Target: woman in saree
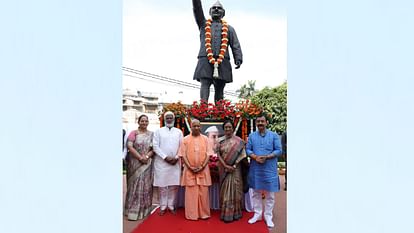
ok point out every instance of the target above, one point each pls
(231, 154)
(138, 199)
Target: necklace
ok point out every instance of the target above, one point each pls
(223, 48)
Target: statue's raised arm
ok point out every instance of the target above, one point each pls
(198, 13)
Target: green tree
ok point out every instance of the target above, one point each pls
(247, 91)
(273, 101)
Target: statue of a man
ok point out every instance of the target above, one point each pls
(213, 65)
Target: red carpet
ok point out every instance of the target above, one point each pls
(170, 223)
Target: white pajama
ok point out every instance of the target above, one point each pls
(257, 203)
(168, 197)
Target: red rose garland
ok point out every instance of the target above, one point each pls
(223, 49)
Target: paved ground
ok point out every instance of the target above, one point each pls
(279, 212)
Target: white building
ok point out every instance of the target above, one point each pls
(135, 103)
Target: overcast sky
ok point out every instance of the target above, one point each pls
(161, 37)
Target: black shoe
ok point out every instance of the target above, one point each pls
(161, 213)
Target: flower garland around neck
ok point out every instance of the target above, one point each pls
(223, 47)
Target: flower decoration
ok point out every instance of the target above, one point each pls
(214, 170)
(213, 161)
(241, 114)
(207, 111)
(178, 109)
(247, 109)
(223, 48)
(204, 111)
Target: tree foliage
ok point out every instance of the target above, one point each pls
(274, 101)
(247, 91)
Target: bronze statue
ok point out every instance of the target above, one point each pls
(213, 65)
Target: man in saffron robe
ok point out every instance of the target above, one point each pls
(195, 152)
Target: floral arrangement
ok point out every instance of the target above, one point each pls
(247, 109)
(241, 113)
(221, 110)
(212, 163)
(178, 109)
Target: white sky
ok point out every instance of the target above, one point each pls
(161, 37)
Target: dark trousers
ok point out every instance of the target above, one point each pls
(218, 88)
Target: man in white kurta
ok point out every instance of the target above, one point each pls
(167, 168)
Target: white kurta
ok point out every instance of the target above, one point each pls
(166, 143)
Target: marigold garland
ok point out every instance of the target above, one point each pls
(236, 120)
(183, 126)
(223, 46)
(244, 129)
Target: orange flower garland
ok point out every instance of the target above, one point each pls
(182, 123)
(244, 129)
(223, 49)
(236, 120)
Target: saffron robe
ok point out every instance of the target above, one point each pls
(196, 150)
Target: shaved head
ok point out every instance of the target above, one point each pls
(195, 121)
(195, 127)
